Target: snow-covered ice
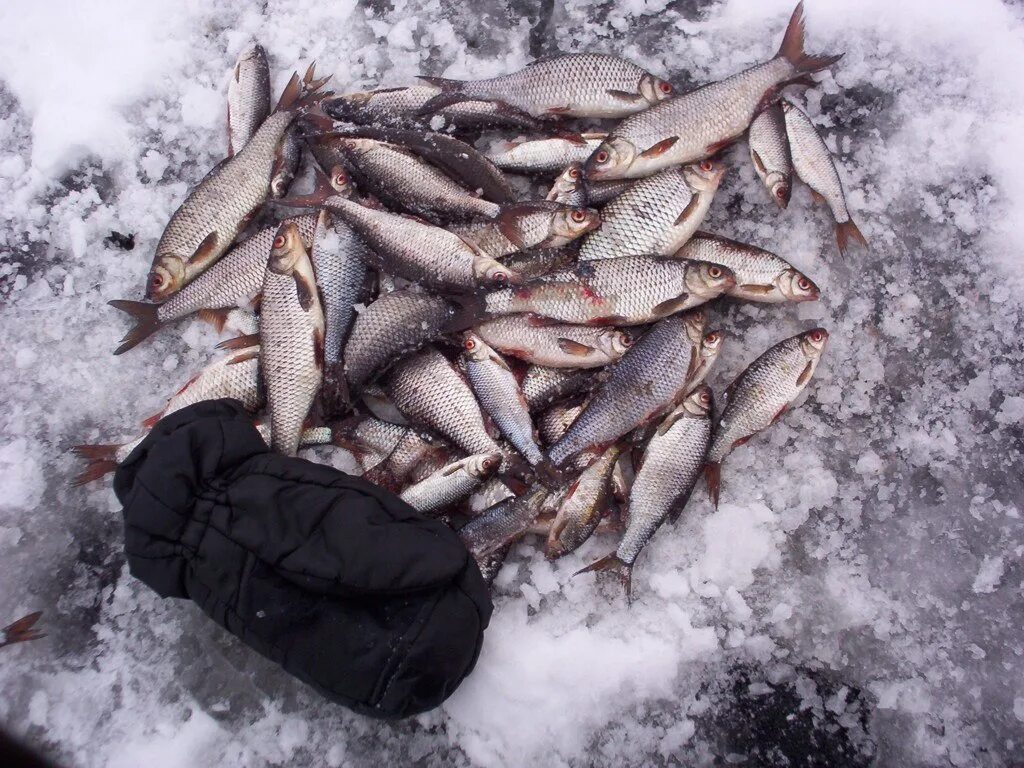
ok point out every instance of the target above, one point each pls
(856, 599)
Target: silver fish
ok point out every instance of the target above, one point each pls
(290, 157)
(570, 85)
(339, 261)
(656, 215)
(370, 440)
(544, 155)
(535, 224)
(543, 386)
(206, 224)
(703, 121)
(647, 380)
(291, 338)
(582, 506)
(500, 395)
(451, 483)
(813, 163)
(631, 290)
(554, 345)
(761, 395)
(769, 152)
(556, 420)
(414, 450)
(569, 187)
(760, 275)
(672, 463)
(503, 523)
(603, 192)
(248, 96)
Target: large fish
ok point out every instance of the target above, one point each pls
(451, 483)
(631, 290)
(535, 224)
(569, 85)
(291, 338)
(813, 163)
(206, 224)
(761, 395)
(248, 96)
(544, 155)
(702, 122)
(760, 275)
(582, 506)
(656, 215)
(555, 345)
(671, 464)
(769, 152)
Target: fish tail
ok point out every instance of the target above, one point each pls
(611, 563)
(146, 322)
(713, 477)
(301, 94)
(792, 48)
(218, 318)
(848, 231)
(99, 462)
(22, 630)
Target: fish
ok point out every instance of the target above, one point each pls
(623, 476)
(671, 465)
(500, 395)
(555, 345)
(235, 280)
(760, 275)
(452, 483)
(769, 152)
(490, 565)
(291, 338)
(533, 224)
(582, 506)
(554, 422)
(761, 395)
(569, 187)
(207, 222)
(429, 391)
(648, 379)
(248, 96)
(565, 85)
(290, 157)
(404, 180)
(503, 523)
(370, 440)
(657, 215)
(813, 163)
(397, 324)
(420, 252)
(414, 450)
(544, 155)
(543, 385)
(631, 290)
(702, 122)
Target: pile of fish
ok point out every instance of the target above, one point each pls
(510, 365)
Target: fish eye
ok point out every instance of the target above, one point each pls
(711, 338)
(817, 336)
(579, 216)
(341, 178)
(803, 284)
(279, 241)
(157, 280)
(707, 166)
(715, 272)
(500, 277)
(705, 397)
(574, 173)
(469, 344)
(601, 157)
(626, 339)
(665, 87)
(488, 463)
(781, 190)
(350, 143)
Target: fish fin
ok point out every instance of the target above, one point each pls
(571, 347)
(99, 462)
(792, 48)
(758, 288)
(22, 630)
(218, 318)
(713, 477)
(670, 306)
(500, 362)
(615, 93)
(669, 422)
(817, 198)
(660, 148)
(558, 110)
(757, 161)
(322, 192)
(802, 379)
(245, 354)
(611, 563)
(146, 322)
(205, 249)
(435, 104)
(243, 341)
(319, 345)
(301, 93)
(717, 146)
(150, 421)
(783, 409)
(848, 231)
(609, 320)
(572, 137)
(687, 211)
(444, 83)
(507, 219)
(304, 292)
(539, 321)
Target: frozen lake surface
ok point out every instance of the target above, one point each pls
(857, 598)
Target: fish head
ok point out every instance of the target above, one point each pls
(611, 159)
(474, 347)
(699, 402)
(167, 276)
(710, 346)
(568, 182)
(708, 280)
(615, 342)
(341, 181)
(704, 176)
(654, 89)
(354, 146)
(483, 465)
(694, 323)
(780, 188)
(796, 286)
(494, 273)
(569, 223)
(812, 342)
(286, 250)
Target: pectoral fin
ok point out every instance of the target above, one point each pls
(670, 306)
(757, 288)
(205, 250)
(660, 148)
(625, 95)
(571, 347)
(304, 291)
(687, 211)
(805, 375)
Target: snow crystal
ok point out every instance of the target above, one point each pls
(990, 573)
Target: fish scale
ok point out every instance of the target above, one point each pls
(543, 385)
(339, 261)
(769, 151)
(248, 96)
(503, 523)
(451, 483)
(222, 378)
(544, 155)
(554, 345)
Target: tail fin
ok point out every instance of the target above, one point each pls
(22, 630)
(218, 318)
(612, 563)
(146, 322)
(792, 48)
(848, 231)
(299, 94)
(713, 477)
(99, 459)
(444, 83)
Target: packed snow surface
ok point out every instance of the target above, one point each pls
(857, 598)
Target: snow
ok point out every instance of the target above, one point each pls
(858, 594)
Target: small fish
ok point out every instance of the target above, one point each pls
(248, 96)
(702, 122)
(656, 215)
(414, 450)
(543, 385)
(206, 224)
(378, 403)
(451, 483)
(500, 395)
(671, 464)
(760, 275)
(565, 85)
(569, 188)
(503, 523)
(813, 163)
(761, 395)
(769, 152)
(288, 167)
(291, 338)
(534, 224)
(544, 155)
(631, 290)
(582, 506)
(554, 345)
(554, 422)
